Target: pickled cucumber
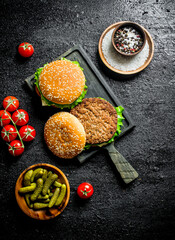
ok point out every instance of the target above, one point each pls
(54, 197)
(51, 194)
(27, 198)
(49, 181)
(43, 197)
(44, 200)
(38, 205)
(38, 189)
(34, 173)
(44, 177)
(57, 184)
(61, 196)
(27, 189)
(49, 174)
(39, 174)
(27, 178)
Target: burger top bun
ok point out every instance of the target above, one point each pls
(61, 82)
(64, 135)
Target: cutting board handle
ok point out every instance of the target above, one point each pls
(127, 172)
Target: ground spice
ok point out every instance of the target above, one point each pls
(120, 62)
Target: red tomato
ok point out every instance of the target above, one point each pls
(85, 190)
(25, 49)
(8, 133)
(4, 118)
(27, 133)
(15, 148)
(10, 103)
(20, 117)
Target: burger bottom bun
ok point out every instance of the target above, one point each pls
(64, 135)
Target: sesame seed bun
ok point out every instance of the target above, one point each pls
(99, 119)
(64, 135)
(61, 82)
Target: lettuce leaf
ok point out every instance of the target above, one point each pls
(120, 119)
(50, 103)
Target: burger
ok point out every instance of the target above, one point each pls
(102, 122)
(64, 135)
(61, 83)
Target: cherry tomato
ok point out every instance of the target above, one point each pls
(15, 148)
(4, 118)
(27, 133)
(25, 49)
(8, 133)
(85, 190)
(10, 103)
(20, 117)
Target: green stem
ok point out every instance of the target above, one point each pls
(16, 130)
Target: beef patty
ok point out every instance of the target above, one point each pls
(99, 119)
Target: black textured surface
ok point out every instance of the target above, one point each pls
(146, 208)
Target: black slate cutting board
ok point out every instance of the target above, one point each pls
(97, 87)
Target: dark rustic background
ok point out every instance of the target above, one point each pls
(146, 208)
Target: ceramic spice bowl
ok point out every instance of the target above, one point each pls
(128, 38)
(45, 213)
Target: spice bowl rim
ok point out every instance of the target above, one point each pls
(137, 27)
(41, 214)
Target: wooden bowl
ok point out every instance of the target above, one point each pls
(43, 214)
(135, 26)
(122, 72)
